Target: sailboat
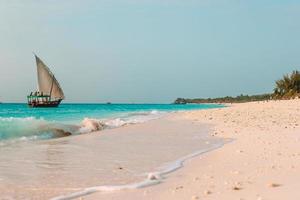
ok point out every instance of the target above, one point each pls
(49, 93)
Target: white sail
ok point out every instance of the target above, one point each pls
(47, 82)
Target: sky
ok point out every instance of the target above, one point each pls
(148, 51)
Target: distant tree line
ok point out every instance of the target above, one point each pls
(286, 88)
(228, 99)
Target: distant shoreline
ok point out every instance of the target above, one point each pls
(228, 99)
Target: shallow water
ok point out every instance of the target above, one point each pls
(19, 122)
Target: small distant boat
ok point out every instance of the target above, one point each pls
(49, 93)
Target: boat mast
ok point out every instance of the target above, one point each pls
(51, 86)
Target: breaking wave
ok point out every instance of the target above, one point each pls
(90, 124)
(30, 128)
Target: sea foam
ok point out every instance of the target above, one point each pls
(32, 128)
(91, 124)
(151, 178)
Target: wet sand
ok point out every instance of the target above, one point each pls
(262, 163)
(120, 156)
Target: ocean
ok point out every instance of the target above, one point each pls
(37, 161)
(18, 121)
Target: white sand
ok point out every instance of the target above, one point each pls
(263, 162)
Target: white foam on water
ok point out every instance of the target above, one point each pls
(30, 128)
(152, 178)
(90, 125)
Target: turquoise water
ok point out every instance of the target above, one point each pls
(18, 121)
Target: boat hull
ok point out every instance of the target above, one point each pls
(47, 104)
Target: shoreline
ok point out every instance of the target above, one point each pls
(151, 178)
(261, 162)
(112, 158)
(28, 124)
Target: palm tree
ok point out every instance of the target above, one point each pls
(295, 81)
(280, 88)
(288, 86)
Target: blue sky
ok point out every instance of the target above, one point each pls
(148, 51)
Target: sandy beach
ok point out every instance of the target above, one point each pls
(262, 162)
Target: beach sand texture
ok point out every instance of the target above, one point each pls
(262, 163)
